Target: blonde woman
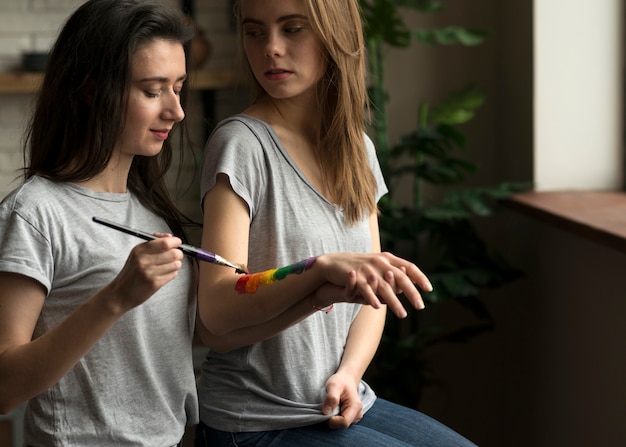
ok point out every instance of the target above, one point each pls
(293, 181)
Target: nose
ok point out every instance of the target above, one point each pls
(274, 46)
(173, 109)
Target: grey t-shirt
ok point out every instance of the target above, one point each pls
(136, 386)
(279, 383)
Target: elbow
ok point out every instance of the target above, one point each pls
(221, 344)
(211, 317)
(216, 344)
(214, 325)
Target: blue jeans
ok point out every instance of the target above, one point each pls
(385, 424)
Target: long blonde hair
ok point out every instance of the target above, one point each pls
(342, 99)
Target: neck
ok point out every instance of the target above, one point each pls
(293, 115)
(113, 178)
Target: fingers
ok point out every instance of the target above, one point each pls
(415, 274)
(348, 416)
(377, 288)
(376, 291)
(350, 289)
(159, 257)
(164, 243)
(376, 279)
(404, 284)
(390, 278)
(404, 278)
(332, 399)
(387, 293)
(367, 289)
(346, 398)
(162, 234)
(149, 267)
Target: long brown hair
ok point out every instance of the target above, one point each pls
(81, 107)
(342, 101)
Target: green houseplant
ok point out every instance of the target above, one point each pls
(438, 234)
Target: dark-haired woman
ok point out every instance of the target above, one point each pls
(96, 329)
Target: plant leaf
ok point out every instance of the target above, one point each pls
(382, 21)
(459, 108)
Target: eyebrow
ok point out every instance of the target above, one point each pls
(162, 79)
(280, 19)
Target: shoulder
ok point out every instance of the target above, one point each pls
(242, 148)
(370, 150)
(26, 214)
(33, 193)
(241, 126)
(241, 139)
(38, 207)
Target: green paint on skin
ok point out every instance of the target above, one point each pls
(251, 283)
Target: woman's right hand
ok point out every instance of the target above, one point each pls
(149, 267)
(373, 279)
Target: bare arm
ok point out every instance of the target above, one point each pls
(224, 308)
(254, 334)
(361, 345)
(29, 367)
(366, 329)
(323, 297)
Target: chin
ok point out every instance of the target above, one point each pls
(154, 151)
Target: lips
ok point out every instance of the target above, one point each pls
(277, 74)
(160, 134)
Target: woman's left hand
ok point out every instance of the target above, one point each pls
(380, 277)
(342, 392)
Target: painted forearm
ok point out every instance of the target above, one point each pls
(250, 283)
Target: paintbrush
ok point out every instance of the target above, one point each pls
(189, 250)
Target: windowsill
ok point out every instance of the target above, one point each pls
(596, 215)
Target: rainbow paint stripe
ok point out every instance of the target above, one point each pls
(251, 283)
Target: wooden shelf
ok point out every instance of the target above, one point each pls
(214, 79)
(20, 82)
(596, 215)
(26, 83)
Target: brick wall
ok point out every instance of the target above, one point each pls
(32, 25)
(25, 26)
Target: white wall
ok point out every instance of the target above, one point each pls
(578, 115)
(24, 26)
